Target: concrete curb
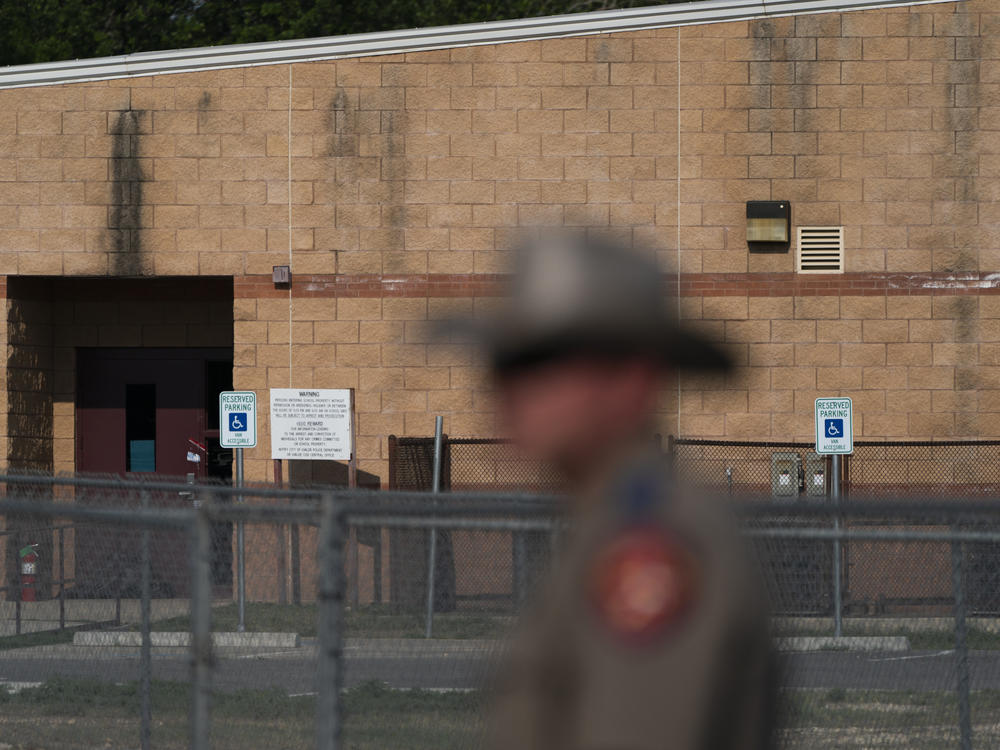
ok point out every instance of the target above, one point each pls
(846, 643)
(878, 625)
(132, 639)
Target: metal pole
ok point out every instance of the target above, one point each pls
(241, 559)
(62, 578)
(354, 584)
(837, 597)
(293, 537)
(961, 648)
(520, 582)
(145, 653)
(201, 629)
(432, 541)
(282, 543)
(331, 603)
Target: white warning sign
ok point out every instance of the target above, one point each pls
(311, 424)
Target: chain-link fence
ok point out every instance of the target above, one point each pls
(966, 468)
(925, 676)
(160, 660)
(477, 570)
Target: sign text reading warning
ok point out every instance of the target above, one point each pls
(311, 424)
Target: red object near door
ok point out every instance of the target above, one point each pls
(29, 574)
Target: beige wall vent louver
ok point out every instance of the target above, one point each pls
(819, 250)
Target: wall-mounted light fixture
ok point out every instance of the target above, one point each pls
(281, 275)
(769, 226)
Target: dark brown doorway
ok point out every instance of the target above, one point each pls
(143, 412)
(138, 409)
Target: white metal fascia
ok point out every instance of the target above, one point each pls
(414, 40)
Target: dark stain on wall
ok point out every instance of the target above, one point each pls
(960, 245)
(394, 167)
(29, 410)
(341, 151)
(365, 145)
(342, 141)
(125, 215)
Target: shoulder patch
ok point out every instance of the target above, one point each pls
(642, 583)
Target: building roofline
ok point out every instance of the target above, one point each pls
(415, 40)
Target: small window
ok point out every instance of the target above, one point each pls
(820, 249)
(140, 428)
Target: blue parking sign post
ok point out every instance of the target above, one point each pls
(238, 430)
(835, 437)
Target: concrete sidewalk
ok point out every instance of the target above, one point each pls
(159, 639)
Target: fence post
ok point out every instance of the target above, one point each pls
(62, 578)
(961, 648)
(520, 561)
(145, 654)
(331, 601)
(432, 535)
(201, 628)
(293, 543)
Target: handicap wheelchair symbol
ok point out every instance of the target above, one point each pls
(834, 427)
(237, 421)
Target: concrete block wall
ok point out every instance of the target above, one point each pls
(393, 186)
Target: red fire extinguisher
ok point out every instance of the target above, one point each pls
(29, 573)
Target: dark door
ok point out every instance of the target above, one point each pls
(139, 409)
(146, 411)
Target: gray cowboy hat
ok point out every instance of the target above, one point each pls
(572, 295)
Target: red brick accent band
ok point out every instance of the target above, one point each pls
(830, 285)
(691, 285)
(372, 285)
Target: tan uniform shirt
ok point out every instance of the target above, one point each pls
(702, 679)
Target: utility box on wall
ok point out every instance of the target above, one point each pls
(816, 475)
(786, 471)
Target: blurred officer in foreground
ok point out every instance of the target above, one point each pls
(651, 632)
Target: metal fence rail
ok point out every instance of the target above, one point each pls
(329, 673)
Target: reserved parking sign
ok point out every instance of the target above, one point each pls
(834, 425)
(238, 419)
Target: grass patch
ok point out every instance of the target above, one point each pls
(43, 638)
(88, 714)
(977, 640)
(366, 622)
(838, 718)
